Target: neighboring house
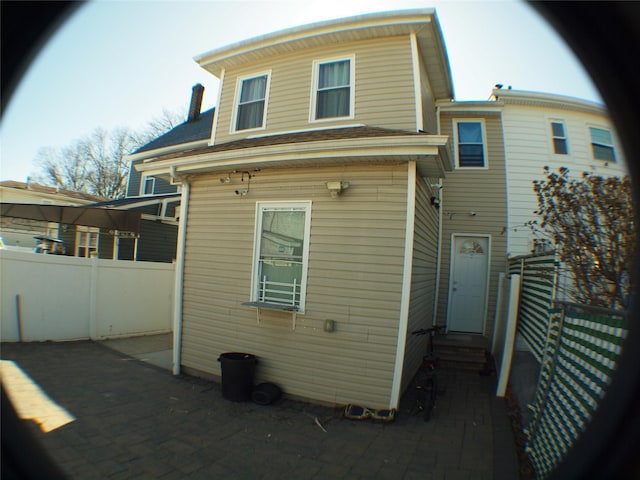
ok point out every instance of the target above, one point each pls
(158, 199)
(194, 132)
(474, 217)
(307, 235)
(19, 232)
(556, 131)
(156, 241)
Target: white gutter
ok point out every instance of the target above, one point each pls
(179, 274)
(406, 285)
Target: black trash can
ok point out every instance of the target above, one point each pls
(237, 375)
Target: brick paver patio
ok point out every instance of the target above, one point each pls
(134, 421)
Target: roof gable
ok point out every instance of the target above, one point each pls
(423, 23)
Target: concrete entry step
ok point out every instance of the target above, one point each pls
(462, 351)
(461, 340)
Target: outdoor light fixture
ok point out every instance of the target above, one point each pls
(336, 188)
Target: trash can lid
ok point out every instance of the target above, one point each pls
(236, 356)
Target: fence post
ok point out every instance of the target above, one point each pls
(93, 299)
(510, 334)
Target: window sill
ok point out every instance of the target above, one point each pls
(259, 306)
(271, 306)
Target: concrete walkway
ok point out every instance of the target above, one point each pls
(153, 349)
(131, 419)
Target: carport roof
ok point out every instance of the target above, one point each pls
(108, 218)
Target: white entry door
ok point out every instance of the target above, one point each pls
(468, 283)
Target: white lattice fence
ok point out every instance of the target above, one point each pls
(578, 360)
(537, 292)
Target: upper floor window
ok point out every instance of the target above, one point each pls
(281, 254)
(333, 89)
(470, 143)
(251, 110)
(559, 138)
(149, 186)
(602, 144)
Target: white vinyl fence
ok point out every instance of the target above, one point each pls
(51, 297)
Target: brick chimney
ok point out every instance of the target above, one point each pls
(196, 103)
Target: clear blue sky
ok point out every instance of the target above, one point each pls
(120, 63)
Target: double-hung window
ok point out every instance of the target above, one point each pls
(559, 138)
(251, 102)
(470, 143)
(333, 89)
(602, 144)
(87, 241)
(281, 252)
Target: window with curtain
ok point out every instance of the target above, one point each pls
(559, 138)
(333, 94)
(602, 144)
(470, 146)
(281, 252)
(251, 103)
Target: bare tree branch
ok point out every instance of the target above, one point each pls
(590, 220)
(97, 163)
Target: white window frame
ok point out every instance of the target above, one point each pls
(315, 78)
(53, 229)
(555, 137)
(611, 145)
(236, 103)
(284, 205)
(485, 157)
(89, 250)
(143, 185)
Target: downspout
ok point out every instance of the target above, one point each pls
(179, 274)
(434, 315)
(439, 254)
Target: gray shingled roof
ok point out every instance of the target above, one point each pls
(184, 133)
(35, 187)
(339, 133)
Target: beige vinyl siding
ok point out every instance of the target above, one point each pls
(356, 255)
(428, 103)
(423, 279)
(384, 93)
(528, 146)
(484, 192)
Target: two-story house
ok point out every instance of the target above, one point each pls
(339, 198)
(473, 217)
(544, 130)
(309, 229)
